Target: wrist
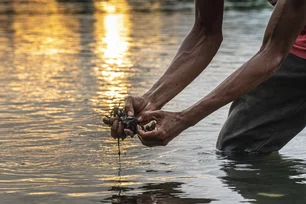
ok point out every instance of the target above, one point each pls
(152, 101)
(186, 117)
(196, 113)
(151, 105)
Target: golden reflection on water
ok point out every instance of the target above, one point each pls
(111, 32)
(41, 43)
(47, 38)
(47, 66)
(112, 6)
(43, 6)
(112, 43)
(47, 69)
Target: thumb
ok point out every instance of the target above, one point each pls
(147, 117)
(129, 106)
(108, 121)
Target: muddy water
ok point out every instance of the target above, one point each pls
(60, 71)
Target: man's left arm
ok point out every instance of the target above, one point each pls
(285, 24)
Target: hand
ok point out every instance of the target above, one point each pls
(133, 106)
(169, 125)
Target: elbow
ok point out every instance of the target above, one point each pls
(276, 53)
(215, 34)
(214, 38)
(271, 61)
(218, 37)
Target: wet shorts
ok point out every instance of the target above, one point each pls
(268, 117)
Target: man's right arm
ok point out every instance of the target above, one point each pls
(194, 55)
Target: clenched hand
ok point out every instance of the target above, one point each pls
(133, 106)
(169, 125)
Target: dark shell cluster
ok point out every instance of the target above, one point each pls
(129, 122)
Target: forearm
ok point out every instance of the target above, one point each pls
(195, 53)
(243, 80)
(279, 37)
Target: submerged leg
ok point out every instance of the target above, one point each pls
(268, 117)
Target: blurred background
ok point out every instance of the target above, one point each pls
(65, 63)
(112, 6)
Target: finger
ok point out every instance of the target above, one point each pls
(146, 143)
(147, 117)
(123, 137)
(149, 136)
(107, 121)
(149, 143)
(150, 126)
(129, 132)
(120, 129)
(114, 129)
(129, 105)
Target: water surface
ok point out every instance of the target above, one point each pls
(60, 71)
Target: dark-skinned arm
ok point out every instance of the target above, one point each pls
(195, 53)
(193, 56)
(285, 24)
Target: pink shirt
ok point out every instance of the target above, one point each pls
(299, 47)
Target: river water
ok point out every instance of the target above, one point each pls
(60, 71)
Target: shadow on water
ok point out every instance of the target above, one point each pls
(269, 178)
(168, 192)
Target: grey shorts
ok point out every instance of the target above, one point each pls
(268, 117)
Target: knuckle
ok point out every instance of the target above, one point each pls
(163, 134)
(160, 137)
(119, 124)
(115, 125)
(150, 145)
(144, 143)
(113, 134)
(113, 128)
(119, 133)
(164, 143)
(163, 140)
(128, 99)
(128, 106)
(141, 140)
(106, 121)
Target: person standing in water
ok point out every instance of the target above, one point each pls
(268, 91)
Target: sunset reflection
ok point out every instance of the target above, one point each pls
(115, 39)
(112, 6)
(41, 6)
(45, 39)
(40, 39)
(111, 33)
(58, 70)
